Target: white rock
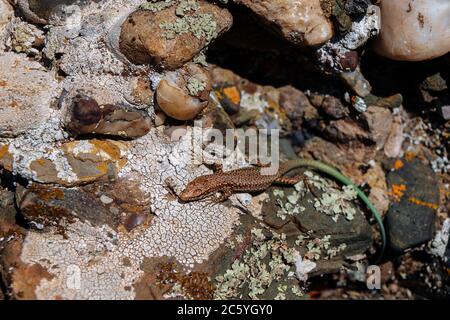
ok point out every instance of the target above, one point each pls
(414, 30)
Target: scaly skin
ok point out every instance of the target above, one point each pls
(251, 180)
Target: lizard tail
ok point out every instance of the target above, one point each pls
(322, 167)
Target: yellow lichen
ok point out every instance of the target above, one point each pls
(398, 191)
(423, 203)
(398, 164)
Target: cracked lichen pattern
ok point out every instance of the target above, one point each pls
(88, 261)
(188, 232)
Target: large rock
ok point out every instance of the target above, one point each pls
(171, 36)
(26, 91)
(118, 204)
(415, 193)
(300, 22)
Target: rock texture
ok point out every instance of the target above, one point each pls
(411, 217)
(170, 37)
(300, 22)
(27, 90)
(424, 31)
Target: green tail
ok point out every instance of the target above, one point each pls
(319, 166)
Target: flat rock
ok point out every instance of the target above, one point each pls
(410, 220)
(26, 91)
(45, 206)
(312, 223)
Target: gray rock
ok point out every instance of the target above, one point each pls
(356, 233)
(411, 217)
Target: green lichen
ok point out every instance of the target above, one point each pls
(155, 5)
(335, 203)
(319, 248)
(267, 262)
(185, 7)
(194, 86)
(200, 25)
(291, 206)
(200, 59)
(23, 37)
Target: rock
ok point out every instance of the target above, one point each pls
(413, 31)
(296, 105)
(394, 142)
(6, 12)
(22, 278)
(298, 213)
(172, 36)
(357, 7)
(340, 55)
(260, 105)
(446, 258)
(411, 217)
(356, 81)
(6, 158)
(379, 121)
(229, 97)
(345, 130)
(333, 107)
(142, 93)
(376, 180)
(26, 92)
(87, 117)
(71, 163)
(445, 111)
(183, 93)
(8, 212)
(115, 204)
(434, 83)
(47, 11)
(301, 22)
(26, 38)
(352, 161)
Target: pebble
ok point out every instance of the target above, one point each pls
(106, 199)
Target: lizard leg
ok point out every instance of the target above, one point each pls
(224, 195)
(217, 167)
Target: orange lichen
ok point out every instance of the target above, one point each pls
(398, 190)
(423, 203)
(6, 160)
(196, 285)
(111, 149)
(410, 155)
(47, 193)
(398, 164)
(102, 168)
(233, 94)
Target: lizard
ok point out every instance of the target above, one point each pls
(250, 179)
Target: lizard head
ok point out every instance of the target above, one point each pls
(196, 189)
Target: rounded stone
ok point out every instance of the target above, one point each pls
(167, 39)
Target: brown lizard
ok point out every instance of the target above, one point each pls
(250, 180)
